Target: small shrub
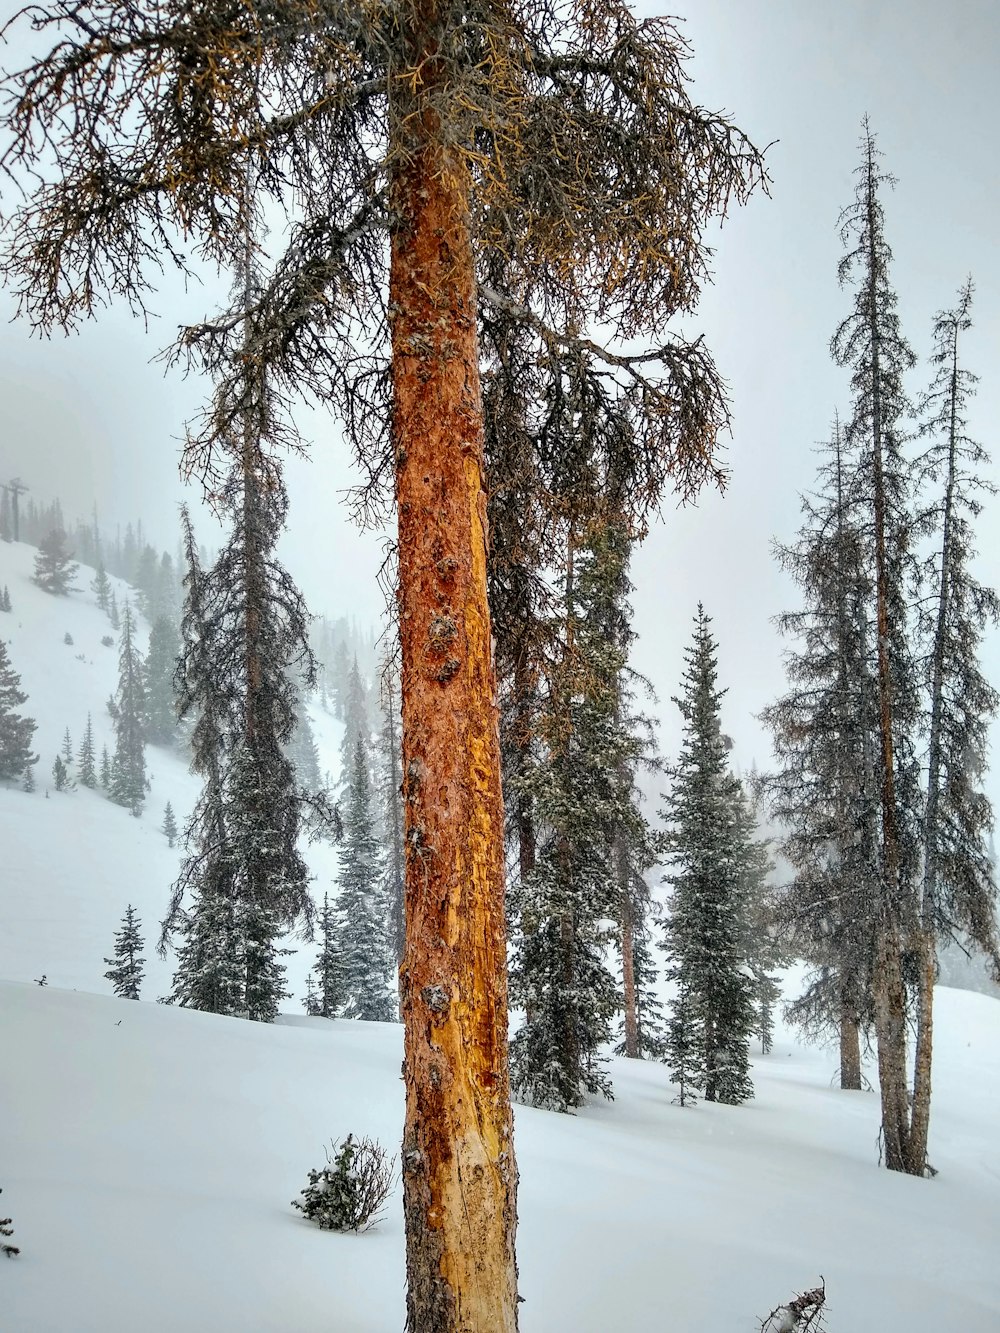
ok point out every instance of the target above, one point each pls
(108, 641)
(67, 637)
(348, 1193)
(7, 1229)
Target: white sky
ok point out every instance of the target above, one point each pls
(92, 417)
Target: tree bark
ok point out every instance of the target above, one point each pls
(850, 1050)
(628, 955)
(459, 1176)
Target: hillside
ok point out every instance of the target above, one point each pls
(150, 1155)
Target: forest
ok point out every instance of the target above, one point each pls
(477, 238)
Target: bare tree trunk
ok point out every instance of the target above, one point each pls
(628, 956)
(850, 1049)
(459, 1176)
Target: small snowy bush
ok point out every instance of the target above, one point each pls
(348, 1193)
(6, 1229)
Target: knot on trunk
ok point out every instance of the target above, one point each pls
(436, 998)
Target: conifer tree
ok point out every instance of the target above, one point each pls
(128, 767)
(6, 521)
(54, 568)
(363, 962)
(86, 759)
(169, 825)
(160, 721)
(356, 722)
(870, 342)
(16, 731)
(329, 994)
(113, 615)
(105, 769)
(6, 598)
(824, 792)
(101, 587)
(67, 747)
(958, 891)
(126, 968)
(60, 777)
(28, 783)
(708, 1039)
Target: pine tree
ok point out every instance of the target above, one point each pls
(128, 767)
(28, 782)
(329, 995)
(363, 960)
(6, 598)
(85, 759)
(59, 775)
(161, 724)
(958, 890)
(105, 769)
(54, 568)
(113, 615)
(708, 1040)
(126, 967)
(824, 793)
(870, 342)
(356, 722)
(15, 731)
(101, 587)
(559, 972)
(67, 747)
(169, 827)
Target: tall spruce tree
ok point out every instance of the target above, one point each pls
(958, 891)
(126, 968)
(364, 948)
(169, 828)
(707, 844)
(54, 568)
(824, 791)
(329, 994)
(869, 341)
(101, 587)
(16, 730)
(128, 766)
(86, 758)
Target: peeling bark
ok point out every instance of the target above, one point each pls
(459, 1176)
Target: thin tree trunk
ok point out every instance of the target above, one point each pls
(628, 948)
(459, 1177)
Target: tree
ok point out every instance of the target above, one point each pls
(113, 615)
(28, 783)
(958, 891)
(708, 1039)
(67, 746)
(15, 731)
(363, 945)
(6, 519)
(54, 568)
(6, 598)
(60, 777)
(329, 995)
(160, 719)
(126, 968)
(824, 792)
(85, 759)
(128, 767)
(105, 769)
(101, 587)
(869, 341)
(169, 828)
(423, 128)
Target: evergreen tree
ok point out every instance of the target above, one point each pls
(356, 722)
(566, 902)
(15, 731)
(59, 775)
(329, 995)
(67, 747)
(824, 791)
(128, 767)
(6, 598)
(105, 768)
(85, 759)
(54, 568)
(708, 1041)
(161, 723)
(126, 967)
(363, 962)
(6, 521)
(101, 587)
(28, 783)
(169, 829)
(870, 342)
(113, 615)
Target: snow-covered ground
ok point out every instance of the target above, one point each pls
(149, 1156)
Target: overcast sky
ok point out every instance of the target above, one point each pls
(92, 417)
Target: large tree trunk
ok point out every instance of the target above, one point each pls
(459, 1176)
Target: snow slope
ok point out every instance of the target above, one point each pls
(149, 1156)
(73, 861)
